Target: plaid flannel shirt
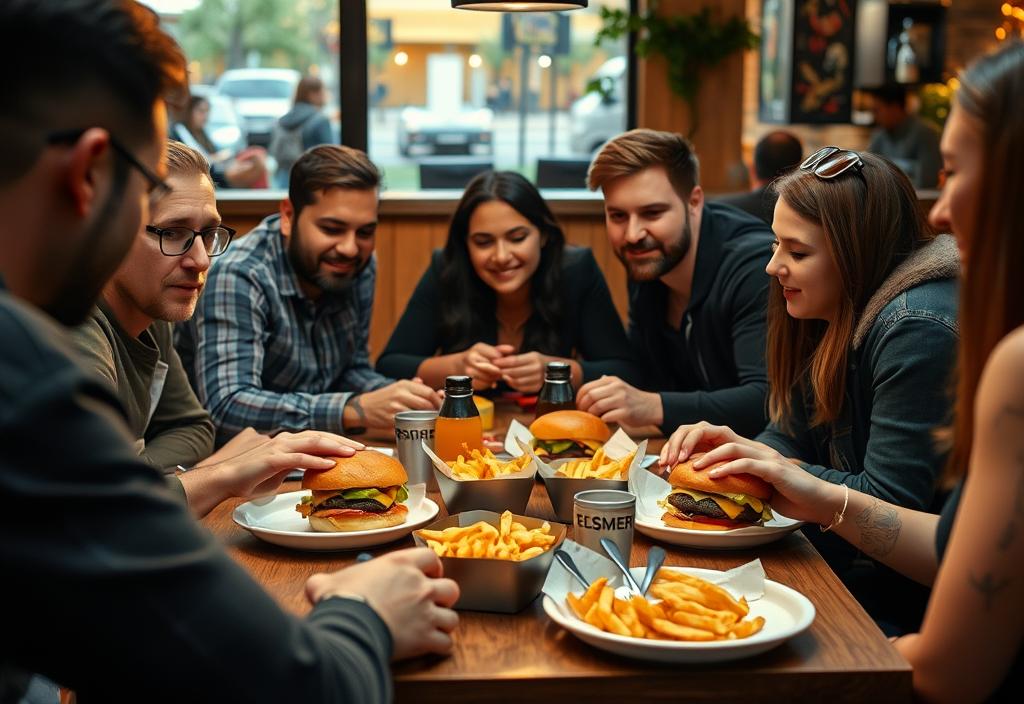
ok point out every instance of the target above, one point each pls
(269, 357)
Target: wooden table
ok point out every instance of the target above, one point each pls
(525, 657)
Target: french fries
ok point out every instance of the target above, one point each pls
(600, 466)
(484, 465)
(510, 540)
(689, 609)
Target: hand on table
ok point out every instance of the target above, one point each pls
(615, 401)
(523, 372)
(380, 406)
(479, 360)
(407, 591)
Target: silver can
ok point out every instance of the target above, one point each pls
(412, 428)
(604, 513)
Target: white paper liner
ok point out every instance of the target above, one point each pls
(649, 489)
(617, 447)
(746, 580)
(529, 471)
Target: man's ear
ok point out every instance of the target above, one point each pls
(696, 200)
(287, 215)
(88, 170)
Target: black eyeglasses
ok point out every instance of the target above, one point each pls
(176, 241)
(829, 162)
(157, 187)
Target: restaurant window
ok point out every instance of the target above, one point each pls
(447, 91)
(246, 58)
(451, 92)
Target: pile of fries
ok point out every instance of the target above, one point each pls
(600, 466)
(690, 609)
(509, 541)
(484, 465)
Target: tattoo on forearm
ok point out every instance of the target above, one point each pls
(880, 527)
(988, 587)
(1016, 509)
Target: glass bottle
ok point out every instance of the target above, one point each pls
(557, 393)
(907, 70)
(458, 423)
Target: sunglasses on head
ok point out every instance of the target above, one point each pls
(829, 162)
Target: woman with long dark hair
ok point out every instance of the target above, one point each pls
(506, 296)
(969, 645)
(246, 169)
(860, 344)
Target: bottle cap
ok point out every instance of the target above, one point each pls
(458, 386)
(557, 371)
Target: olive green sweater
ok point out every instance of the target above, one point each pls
(170, 425)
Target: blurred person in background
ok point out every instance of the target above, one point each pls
(119, 591)
(505, 297)
(775, 154)
(904, 138)
(301, 128)
(969, 648)
(246, 169)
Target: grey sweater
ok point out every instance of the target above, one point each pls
(165, 417)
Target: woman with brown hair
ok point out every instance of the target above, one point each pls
(969, 646)
(860, 341)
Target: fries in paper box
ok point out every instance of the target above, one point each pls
(481, 481)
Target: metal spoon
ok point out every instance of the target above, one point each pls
(613, 552)
(565, 559)
(655, 559)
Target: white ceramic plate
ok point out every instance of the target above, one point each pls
(786, 613)
(778, 527)
(279, 523)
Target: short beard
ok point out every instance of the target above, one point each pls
(672, 254)
(330, 284)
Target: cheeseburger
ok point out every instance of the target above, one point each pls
(562, 434)
(361, 492)
(699, 502)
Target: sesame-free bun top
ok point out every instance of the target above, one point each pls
(570, 425)
(365, 469)
(684, 476)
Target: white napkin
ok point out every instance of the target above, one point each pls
(649, 489)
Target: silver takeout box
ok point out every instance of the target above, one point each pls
(489, 584)
(511, 492)
(562, 490)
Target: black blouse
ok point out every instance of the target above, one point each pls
(591, 330)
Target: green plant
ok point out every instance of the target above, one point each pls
(689, 44)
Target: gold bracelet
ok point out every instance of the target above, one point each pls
(837, 518)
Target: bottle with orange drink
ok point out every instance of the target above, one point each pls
(458, 428)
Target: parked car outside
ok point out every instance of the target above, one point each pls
(598, 117)
(260, 97)
(467, 131)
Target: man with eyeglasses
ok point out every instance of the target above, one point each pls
(128, 337)
(113, 589)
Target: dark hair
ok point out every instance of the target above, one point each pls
(307, 87)
(777, 153)
(890, 94)
(872, 223)
(467, 303)
(96, 63)
(329, 166)
(640, 149)
(198, 134)
(992, 289)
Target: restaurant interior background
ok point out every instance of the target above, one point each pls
(435, 94)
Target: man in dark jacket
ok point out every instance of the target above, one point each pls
(697, 290)
(112, 588)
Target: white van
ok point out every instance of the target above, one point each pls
(596, 118)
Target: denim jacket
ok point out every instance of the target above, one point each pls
(897, 387)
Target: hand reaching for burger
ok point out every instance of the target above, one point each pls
(261, 469)
(407, 591)
(798, 494)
